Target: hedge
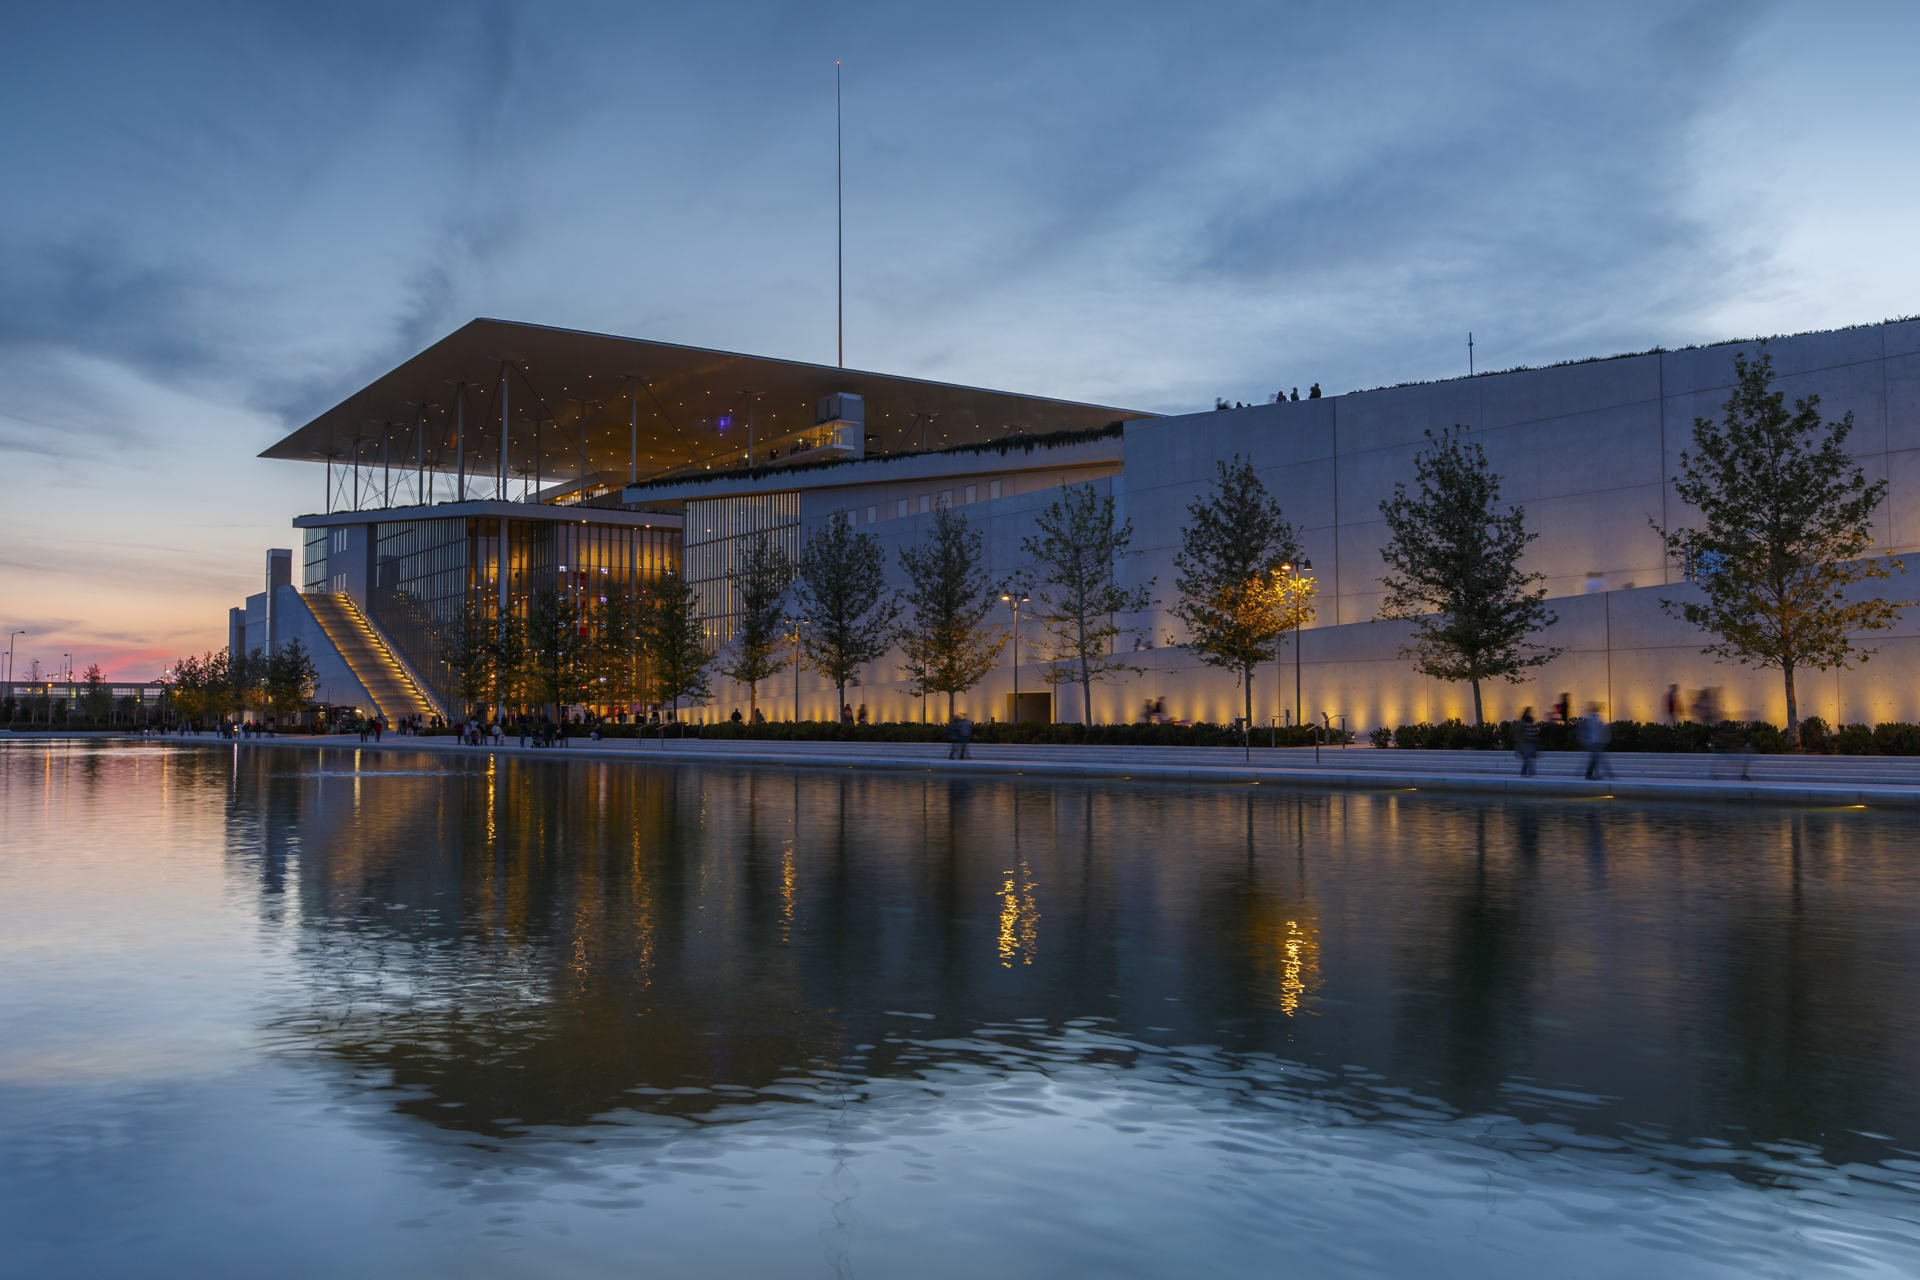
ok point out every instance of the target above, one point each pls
(1159, 735)
(1816, 737)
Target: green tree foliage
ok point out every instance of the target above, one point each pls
(246, 681)
(197, 688)
(289, 680)
(760, 580)
(98, 698)
(510, 662)
(1235, 544)
(1077, 591)
(1785, 517)
(950, 646)
(555, 649)
(470, 649)
(619, 657)
(1453, 555)
(675, 646)
(842, 594)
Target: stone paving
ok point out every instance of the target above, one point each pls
(1874, 781)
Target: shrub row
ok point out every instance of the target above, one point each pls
(1816, 737)
(1159, 735)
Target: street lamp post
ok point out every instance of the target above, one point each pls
(796, 624)
(10, 637)
(1288, 568)
(1016, 602)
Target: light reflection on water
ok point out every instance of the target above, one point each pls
(265, 1010)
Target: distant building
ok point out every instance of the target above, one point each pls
(622, 460)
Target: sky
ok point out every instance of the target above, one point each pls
(219, 219)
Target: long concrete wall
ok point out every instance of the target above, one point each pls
(1588, 449)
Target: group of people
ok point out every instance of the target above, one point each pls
(1592, 732)
(1279, 397)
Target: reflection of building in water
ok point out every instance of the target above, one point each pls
(1285, 946)
(545, 942)
(1019, 915)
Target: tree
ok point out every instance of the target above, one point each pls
(509, 661)
(289, 678)
(950, 647)
(99, 698)
(1077, 591)
(246, 680)
(1785, 517)
(675, 647)
(759, 582)
(1235, 545)
(1454, 558)
(469, 648)
(555, 648)
(618, 651)
(842, 593)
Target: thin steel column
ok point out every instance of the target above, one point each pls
(329, 503)
(419, 454)
(633, 440)
(460, 442)
(505, 419)
(386, 470)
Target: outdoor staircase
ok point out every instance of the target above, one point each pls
(374, 664)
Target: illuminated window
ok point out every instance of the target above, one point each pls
(946, 497)
(900, 508)
(926, 503)
(972, 493)
(873, 513)
(993, 489)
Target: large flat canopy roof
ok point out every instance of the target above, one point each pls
(570, 392)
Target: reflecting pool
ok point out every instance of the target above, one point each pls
(278, 1011)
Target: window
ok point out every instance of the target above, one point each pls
(993, 489)
(946, 497)
(926, 503)
(972, 492)
(873, 513)
(900, 508)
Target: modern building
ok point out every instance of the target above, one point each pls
(508, 456)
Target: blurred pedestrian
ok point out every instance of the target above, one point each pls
(1526, 742)
(1595, 734)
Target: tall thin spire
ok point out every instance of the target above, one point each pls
(839, 231)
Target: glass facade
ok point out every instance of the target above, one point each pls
(715, 530)
(314, 559)
(425, 571)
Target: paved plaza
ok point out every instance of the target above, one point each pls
(1877, 781)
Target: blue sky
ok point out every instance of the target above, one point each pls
(219, 219)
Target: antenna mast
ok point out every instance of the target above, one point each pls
(1469, 353)
(839, 231)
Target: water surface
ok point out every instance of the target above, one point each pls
(267, 1010)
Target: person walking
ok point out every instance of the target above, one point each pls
(953, 737)
(1526, 742)
(1595, 734)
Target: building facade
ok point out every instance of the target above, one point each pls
(671, 471)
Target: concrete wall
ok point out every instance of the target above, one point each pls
(334, 682)
(1587, 449)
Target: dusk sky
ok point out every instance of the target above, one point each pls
(218, 220)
